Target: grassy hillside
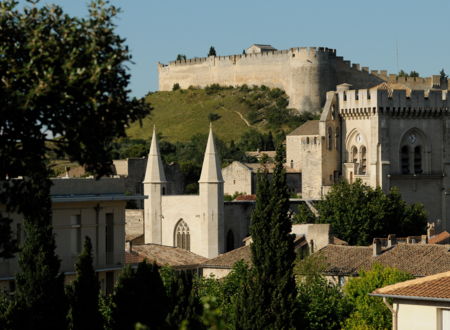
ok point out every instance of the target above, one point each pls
(180, 114)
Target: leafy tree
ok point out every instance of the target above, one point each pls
(321, 304)
(83, 294)
(181, 57)
(414, 74)
(268, 297)
(370, 312)
(212, 51)
(176, 87)
(77, 92)
(443, 75)
(184, 304)
(139, 297)
(62, 77)
(358, 213)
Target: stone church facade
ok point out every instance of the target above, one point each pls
(383, 136)
(203, 224)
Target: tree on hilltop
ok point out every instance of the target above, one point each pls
(268, 296)
(212, 51)
(181, 57)
(64, 88)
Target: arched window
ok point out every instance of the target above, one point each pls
(230, 240)
(418, 160)
(363, 166)
(307, 140)
(404, 159)
(315, 140)
(182, 237)
(330, 138)
(354, 155)
(292, 163)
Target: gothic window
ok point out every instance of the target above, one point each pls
(363, 167)
(230, 240)
(404, 159)
(182, 237)
(330, 138)
(418, 160)
(354, 154)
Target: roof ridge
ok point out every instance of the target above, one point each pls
(413, 282)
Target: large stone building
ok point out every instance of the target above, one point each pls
(383, 136)
(306, 74)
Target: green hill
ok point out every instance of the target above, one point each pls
(180, 114)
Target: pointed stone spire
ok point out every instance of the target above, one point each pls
(211, 170)
(155, 170)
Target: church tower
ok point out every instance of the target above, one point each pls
(211, 202)
(154, 188)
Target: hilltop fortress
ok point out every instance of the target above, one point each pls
(305, 74)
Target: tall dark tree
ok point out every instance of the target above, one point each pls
(64, 89)
(268, 300)
(84, 292)
(184, 304)
(139, 296)
(212, 51)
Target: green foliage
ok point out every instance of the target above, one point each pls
(304, 215)
(212, 51)
(271, 285)
(412, 74)
(213, 117)
(184, 304)
(176, 87)
(222, 294)
(139, 297)
(181, 57)
(321, 304)
(129, 148)
(358, 213)
(443, 75)
(182, 115)
(83, 293)
(370, 312)
(229, 198)
(61, 76)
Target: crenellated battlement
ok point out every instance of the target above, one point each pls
(366, 102)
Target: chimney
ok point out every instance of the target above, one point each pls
(391, 240)
(424, 239)
(129, 246)
(376, 247)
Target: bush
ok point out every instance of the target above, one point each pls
(213, 117)
(176, 87)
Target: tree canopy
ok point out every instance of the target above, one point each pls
(358, 213)
(212, 51)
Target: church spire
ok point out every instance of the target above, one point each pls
(155, 170)
(211, 170)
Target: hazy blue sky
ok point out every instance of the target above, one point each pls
(364, 32)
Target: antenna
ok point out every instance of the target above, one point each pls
(396, 48)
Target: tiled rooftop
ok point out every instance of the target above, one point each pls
(435, 286)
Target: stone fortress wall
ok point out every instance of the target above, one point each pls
(305, 73)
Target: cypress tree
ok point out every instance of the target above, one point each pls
(268, 298)
(139, 297)
(83, 294)
(40, 298)
(212, 51)
(185, 307)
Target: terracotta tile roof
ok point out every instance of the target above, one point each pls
(439, 238)
(416, 259)
(168, 255)
(434, 286)
(245, 198)
(311, 127)
(228, 259)
(133, 258)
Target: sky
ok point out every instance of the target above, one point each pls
(383, 35)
